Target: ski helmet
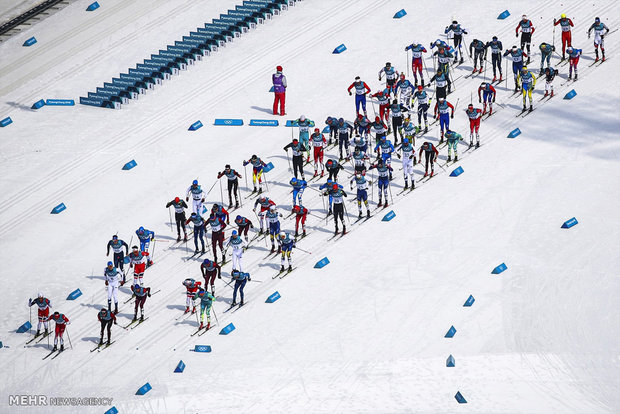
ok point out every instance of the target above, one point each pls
(115, 237)
(420, 87)
(470, 106)
(524, 69)
(238, 218)
(341, 120)
(405, 140)
(177, 199)
(282, 235)
(195, 182)
(597, 19)
(455, 22)
(302, 118)
(141, 230)
(295, 141)
(329, 181)
(103, 310)
(316, 130)
(293, 181)
(272, 208)
(110, 264)
(234, 233)
(262, 199)
(569, 49)
(380, 161)
(330, 162)
(193, 215)
(524, 17)
(377, 119)
(206, 262)
(295, 209)
(40, 295)
(563, 16)
(254, 156)
(279, 68)
(215, 207)
(388, 64)
(441, 99)
(357, 79)
(335, 186)
(227, 167)
(402, 76)
(56, 314)
(494, 37)
(395, 101)
(514, 48)
(134, 248)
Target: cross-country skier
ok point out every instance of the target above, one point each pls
(546, 50)
(198, 196)
(360, 143)
(146, 237)
(298, 189)
(391, 76)
(362, 123)
(327, 187)
(43, 311)
(117, 247)
(600, 30)
(240, 279)
(474, 115)
(488, 96)
(528, 82)
(549, 76)
(140, 293)
(409, 161)
(362, 192)
(301, 213)
(379, 128)
(217, 235)
(337, 193)
(423, 102)
(138, 261)
(61, 322)
(443, 65)
(496, 56)
(516, 55)
(199, 230)
(409, 130)
(233, 184)
(273, 218)
(383, 99)
(345, 130)
(304, 126)
(333, 167)
(279, 89)
(442, 107)
(106, 318)
(404, 90)
(257, 172)
(416, 61)
(430, 156)
(220, 212)
(453, 139)
(318, 143)
(441, 81)
(457, 37)
(113, 280)
(397, 110)
(298, 149)
(286, 245)
(238, 247)
(477, 48)
(179, 216)
(243, 226)
(384, 171)
(191, 287)
(527, 29)
(332, 123)
(573, 61)
(206, 301)
(384, 150)
(361, 90)
(210, 270)
(565, 24)
(264, 202)
(359, 160)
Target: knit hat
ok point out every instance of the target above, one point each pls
(279, 68)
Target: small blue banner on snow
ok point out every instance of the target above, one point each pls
(321, 263)
(339, 49)
(93, 6)
(460, 398)
(6, 121)
(196, 125)
(202, 348)
(227, 329)
(30, 41)
(569, 223)
(499, 269)
(389, 216)
(470, 301)
(450, 362)
(144, 389)
(74, 295)
(514, 133)
(60, 102)
(450, 332)
(38, 104)
(456, 172)
(228, 122)
(400, 13)
(180, 366)
(130, 165)
(112, 410)
(503, 15)
(272, 89)
(570, 95)
(25, 327)
(273, 297)
(268, 167)
(60, 207)
(264, 122)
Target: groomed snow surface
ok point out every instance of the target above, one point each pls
(366, 333)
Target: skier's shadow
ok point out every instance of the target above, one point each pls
(93, 339)
(321, 229)
(265, 110)
(274, 266)
(179, 307)
(95, 277)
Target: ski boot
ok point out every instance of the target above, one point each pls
(456, 158)
(380, 203)
(531, 108)
(201, 326)
(101, 341)
(494, 78)
(546, 94)
(255, 190)
(344, 228)
(141, 318)
(296, 234)
(335, 234)
(570, 77)
(406, 187)
(135, 316)
(475, 70)
(54, 348)
(367, 213)
(471, 144)
(461, 61)
(203, 250)
(575, 76)
(241, 303)
(273, 248)
(282, 268)
(478, 144)
(329, 213)
(524, 108)
(290, 268)
(260, 190)
(37, 334)
(186, 311)
(233, 304)
(425, 128)
(208, 326)
(185, 237)
(62, 347)
(193, 310)
(315, 173)
(304, 233)
(425, 174)
(322, 174)
(196, 251)
(108, 343)
(449, 158)
(116, 308)
(178, 238)
(359, 217)
(236, 204)
(551, 94)
(432, 173)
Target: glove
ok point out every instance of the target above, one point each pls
(352, 94)
(398, 155)
(554, 20)
(249, 279)
(186, 198)
(452, 116)
(29, 302)
(148, 294)
(202, 201)
(516, 34)
(379, 77)
(115, 322)
(106, 283)
(254, 210)
(479, 100)
(219, 276)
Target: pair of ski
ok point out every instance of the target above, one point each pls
(405, 190)
(131, 325)
(202, 331)
(234, 308)
(524, 112)
(57, 352)
(39, 338)
(101, 347)
(283, 273)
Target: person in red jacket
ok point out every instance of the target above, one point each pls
(527, 29)
(279, 89)
(43, 305)
(210, 270)
(565, 23)
(61, 322)
(217, 235)
(474, 115)
(138, 263)
(488, 95)
(301, 213)
(361, 90)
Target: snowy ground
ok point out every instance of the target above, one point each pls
(366, 333)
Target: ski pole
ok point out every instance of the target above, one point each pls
(221, 193)
(305, 251)
(48, 338)
(153, 253)
(407, 61)
(390, 189)
(30, 319)
(69, 337)
(245, 173)
(170, 214)
(197, 321)
(289, 162)
(215, 315)
(211, 188)
(346, 213)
